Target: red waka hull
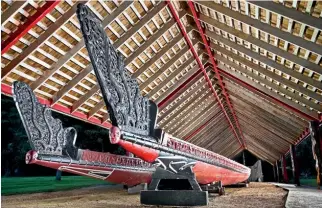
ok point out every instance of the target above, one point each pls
(210, 167)
(113, 171)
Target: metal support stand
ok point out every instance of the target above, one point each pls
(215, 187)
(171, 189)
(274, 172)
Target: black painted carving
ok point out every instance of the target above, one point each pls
(45, 133)
(128, 109)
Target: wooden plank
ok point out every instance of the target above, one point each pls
(295, 96)
(263, 117)
(267, 73)
(289, 12)
(164, 67)
(262, 44)
(40, 40)
(264, 60)
(153, 38)
(71, 84)
(179, 123)
(198, 75)
(12, 10)
(77, 47)
(84, 98)
(171, 77)
(273, 94)
(263, 105)
(146, 18)
(204, 120)
(264, 127)
(216, 122)
(185, 107)
(158, 55)
(96, 108)
(178, 103)
(264, 27)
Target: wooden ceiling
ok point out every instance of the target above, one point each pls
(226, 75)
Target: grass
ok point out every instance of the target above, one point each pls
(308, 182)
(27, 185)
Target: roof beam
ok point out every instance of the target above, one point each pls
(160, 53)
(289, 12)
(264, 60)
(30, 22)
(182, 29)
(12, 10)
(172, 76)
(199, 121)
(167, 65)
(127, 61)
(183, 84)
(191, 110)
(285, 91)
(240, 137)
(40, 40)
(185, 107)
(263, 27)
(266, 72)
(259, 43)
(282, 107)
(196, 111)
(77, 47)
(264, 116)
(264, 105)
(188, 95)
(305, 112)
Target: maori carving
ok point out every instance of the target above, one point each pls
(45, 133)
(128, 109)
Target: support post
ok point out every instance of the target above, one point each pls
(277, 172)
(316, 137)
(274, 173)
(284, 171)
(295, 167)
(244, 161)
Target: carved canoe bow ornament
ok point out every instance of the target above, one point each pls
(128, 109)
(45, 133)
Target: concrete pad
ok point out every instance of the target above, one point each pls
(301, 197)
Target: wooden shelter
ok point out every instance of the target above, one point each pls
(226, 75)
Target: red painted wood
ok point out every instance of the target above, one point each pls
(163, 102)
(274, 100)
(212, 60)
(285, 176)
(115, 175)
(24, 28)
(205, 173)
(7, 90)
(185, 35)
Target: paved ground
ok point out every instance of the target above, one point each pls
(301, 197)
(260, 195)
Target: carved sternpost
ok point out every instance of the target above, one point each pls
(46, 134)
(128, 109)
(316, 138)
(295, 168)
